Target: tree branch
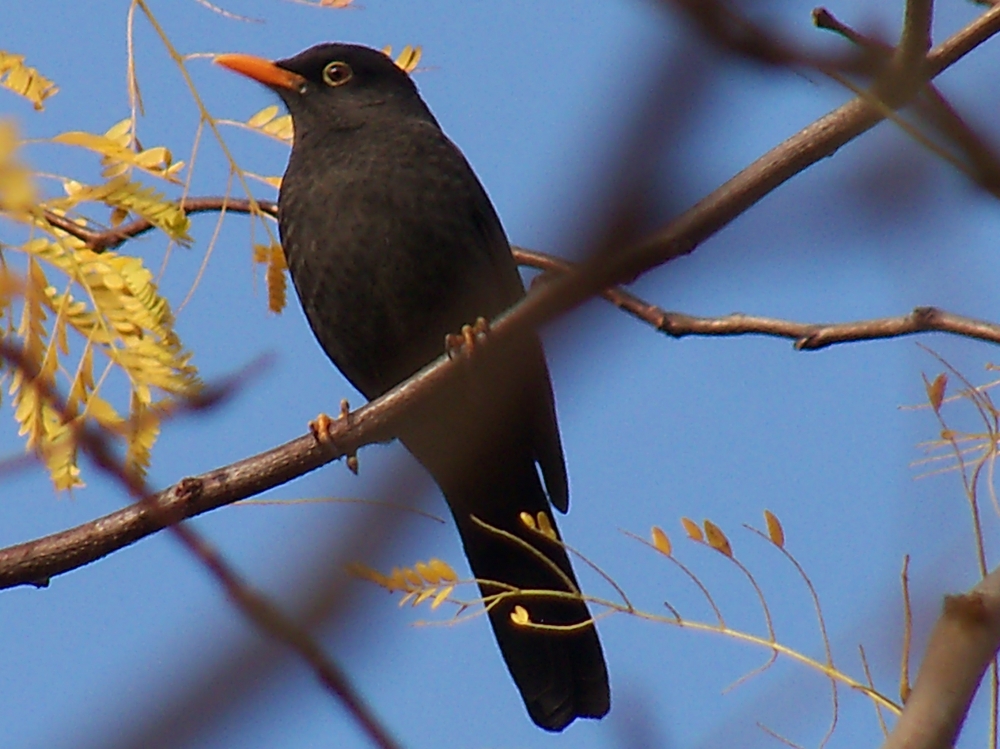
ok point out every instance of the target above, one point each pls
(814, 336)
(110, 239)
(807, 336)
(962, 645)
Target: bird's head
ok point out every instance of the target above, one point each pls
(335, 86)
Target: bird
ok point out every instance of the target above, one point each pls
(393, 244)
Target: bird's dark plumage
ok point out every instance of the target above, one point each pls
(392, 243)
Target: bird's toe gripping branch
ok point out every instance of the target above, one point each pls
(468, 339)
(322, 426)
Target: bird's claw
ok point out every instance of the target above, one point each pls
(468, 339)
(322, 426)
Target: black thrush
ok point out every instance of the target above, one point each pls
(392, 244)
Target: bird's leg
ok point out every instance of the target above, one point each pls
(322, 425)
(467, 341)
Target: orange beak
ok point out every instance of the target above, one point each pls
(261, 70)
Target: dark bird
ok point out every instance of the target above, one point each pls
(393, 244)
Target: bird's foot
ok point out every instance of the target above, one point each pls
(322, 426)
(467, 341)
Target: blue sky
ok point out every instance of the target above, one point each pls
(539, 96)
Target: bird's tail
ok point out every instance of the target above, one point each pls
(560, 673)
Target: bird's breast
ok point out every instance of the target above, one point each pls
(388, 255)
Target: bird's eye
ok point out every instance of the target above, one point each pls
(337, 73)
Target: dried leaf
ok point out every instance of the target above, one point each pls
(717, 539)
(118, 215)
(692, 529)
(774, 529)
(661, 541)
(935, 391)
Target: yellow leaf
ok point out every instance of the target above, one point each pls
(427, 572)
(277, 281)
(528, 520)
(129, 195)
(443, 570)
(154, 157)
(545, 526)
(717, 539)
(442, 596)
(661, 541)
(424, 595)
(60, 458)
(367, 573)
(409, 58)
(774, 529)
(117, 216)
(263, 116)
(261, 253)
(692, 529)
(17, 192)
(120, 132)
(935, 391)
(143, 429)
(281, 128)
(398, 579)
(24, 80)
(156, 161)
(103, 412)
(519, 615)
(412, 578)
